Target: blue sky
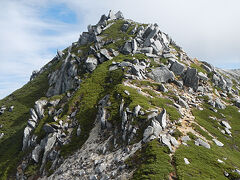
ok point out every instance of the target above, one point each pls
(31, 31)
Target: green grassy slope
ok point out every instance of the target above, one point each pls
(15, 122)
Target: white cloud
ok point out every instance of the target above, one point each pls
(206, 29)
(24, 46)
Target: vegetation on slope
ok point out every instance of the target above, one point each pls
(95, 87)
(203, 162)
(15, 122)
(152, 162)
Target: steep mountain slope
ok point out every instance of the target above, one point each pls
(123, 102)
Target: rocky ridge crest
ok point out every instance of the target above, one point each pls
(124, 90)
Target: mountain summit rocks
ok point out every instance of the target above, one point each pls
(122, 102)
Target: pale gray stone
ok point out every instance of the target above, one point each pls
(105, 53)
(166, 141)
(161, 74)
(183, 103)
(137, 110)
(148, 50)
(119, 15)
(186, 161)
(174, 141)
(219, 104)
(112, 68)
(100, 168)
(147, 133)
(111, 15)
(50, 142)
(177, 68)
(36, 153)
(162, 118)
(202, 76)
(185, 138)
(162, 88)
(26, 137)
(191, 79)
(127, 48)
(218, 143)
(32, 123)
(91, 63)
(33, 115)
(202, 143)
(78, 130)
(157, 129)
(39, 108)
(226, 124)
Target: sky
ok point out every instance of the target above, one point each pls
(31, 31)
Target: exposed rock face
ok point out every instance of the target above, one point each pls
(26, 137)
(39, 108)
(219, 104)
(162, 118)
(191, 78)
(91, 63)
(183, 103)
(36, 153)
(147, 133)
(161, 74)
(226, 124)
(157, 129)
(218, 143)
(102, 112)
(166, 141)
(202, 76)
(50, 141)
(34, 75)
(177, 68)
(65, 78)
(147, 98)
(200, 142)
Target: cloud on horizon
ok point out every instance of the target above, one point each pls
(31, 31)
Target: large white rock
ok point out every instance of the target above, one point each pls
(36, 153)
(119, 15)
(147, 133)
(136, 110)
(33, 115)
(162, 118)
(91, 63)
(39, 108)
(166, 141)
(50, 142)
(177, 68)
(161, 74)
(186, 161)
(105, 53)
(183, 103)
(202, 76)
(111, 15)
(226, 124)
(157, 129)
(200, 142)
(218, 143)
(26, 137)
(174, 141)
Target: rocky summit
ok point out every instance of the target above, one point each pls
(122, 102)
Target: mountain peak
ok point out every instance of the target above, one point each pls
(122, 102)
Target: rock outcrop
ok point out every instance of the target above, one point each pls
(121, 100)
